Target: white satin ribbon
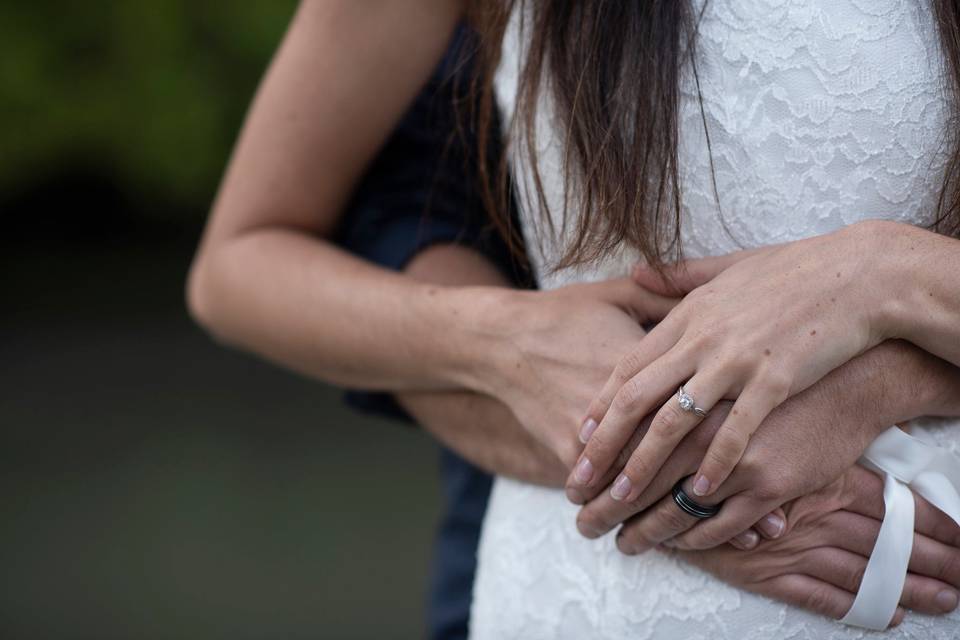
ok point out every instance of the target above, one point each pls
(906, 463)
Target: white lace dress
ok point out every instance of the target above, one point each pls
(820, 113)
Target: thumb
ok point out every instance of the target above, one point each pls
(680, 278)
(645, 306)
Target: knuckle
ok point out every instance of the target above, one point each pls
(820, 600)
(737, 362)
(705, 337)
(753, 467)
(638, 504)
(667, 420)
(600, 448)
(948, 566)
(769, 490)
(628, 398)
(625, 544)
(945, 529)
(671, 519)
(639, 537)
(638, 468)
(588, 524)
(777, 384)
(707, 538)
(629, 365)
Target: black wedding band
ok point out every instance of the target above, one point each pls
(688, 505)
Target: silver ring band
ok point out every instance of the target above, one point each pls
(687, 403)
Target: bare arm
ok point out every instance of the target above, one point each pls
(266, 278)
(893, 383)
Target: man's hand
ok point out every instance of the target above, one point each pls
(819, 562)
(560, 347)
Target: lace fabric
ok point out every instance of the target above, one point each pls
(820, 113)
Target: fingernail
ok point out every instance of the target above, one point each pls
(748, 539)
(947, 600)
(701, 486)
(620, 488)
(772, 525)
(584, 471)
(587, 429)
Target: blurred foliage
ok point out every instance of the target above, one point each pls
(149, 94)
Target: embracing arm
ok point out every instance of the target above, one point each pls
(816, 564)
(266, 278)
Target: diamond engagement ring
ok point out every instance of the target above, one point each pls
(687, 403)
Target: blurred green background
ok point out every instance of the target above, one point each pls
(154, 484)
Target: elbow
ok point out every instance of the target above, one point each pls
(200, 295)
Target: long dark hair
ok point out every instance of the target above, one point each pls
(613, 68)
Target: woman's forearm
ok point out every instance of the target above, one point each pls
(263, 278)
(306, 304)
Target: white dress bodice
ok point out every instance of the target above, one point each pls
(820, 113)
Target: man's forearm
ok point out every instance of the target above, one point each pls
(900, 382)
(484, 432)
(477, 427)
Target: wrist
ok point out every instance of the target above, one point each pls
(890, 277)
(904, 382)
(864, 393)
(477, 335)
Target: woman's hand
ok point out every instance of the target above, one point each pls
(556, 348)
(819, 561)
(766, 328)
(806, 443)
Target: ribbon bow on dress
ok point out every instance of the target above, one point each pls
(906, 463)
